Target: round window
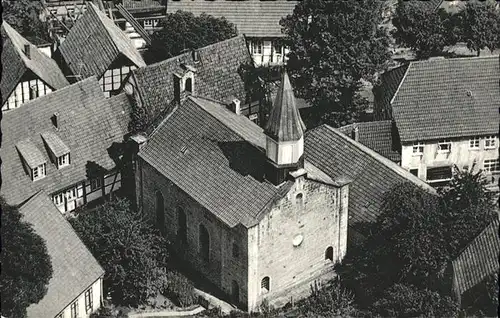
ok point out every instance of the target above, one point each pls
(297, 240)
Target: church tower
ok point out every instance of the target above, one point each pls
(285, 135)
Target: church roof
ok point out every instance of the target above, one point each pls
(284, 123)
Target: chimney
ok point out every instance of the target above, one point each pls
(54, 120)
(27, 51)
(355, 133)
(235, 106)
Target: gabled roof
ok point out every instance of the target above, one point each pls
(253, 18)
(340, 157)
(15, 63)
(478, 260)
(30, 153)
(94, 43)
(445, 98)
(216, 75)
(88, 124)
(376, 135)
(74, 267)
(55, 144)
(284, 123)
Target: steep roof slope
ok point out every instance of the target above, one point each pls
(478, 260)
(216, 74)
(88, 124)
(74, 267)
(447, 98)
(15, 63)
(341, 157)
(253, 18)
(94, 43)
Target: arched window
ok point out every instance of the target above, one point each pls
(188, 87)
(329, 253)
(235, 292)
(204, 243)
(299, 199)
(181, 226)
(236, 250)
(160, 211)
(265, 285)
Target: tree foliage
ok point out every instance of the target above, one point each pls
(184, 31)
(24, 16)
(26, 265)
(132, 253)
(479, 25)
(333, 45)
(421, 28)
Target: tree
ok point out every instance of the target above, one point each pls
(131, 251)
(333, 45)
(26, 265)
(421, 28)
(24, 16)
(183, 31)
(479, 25)
(408, 301)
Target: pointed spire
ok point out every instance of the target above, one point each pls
(284, 122)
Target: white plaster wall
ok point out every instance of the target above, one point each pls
(96, 302)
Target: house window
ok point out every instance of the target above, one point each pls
(95, 184)
(58, 199)
(148, 23)
(188, 86)
(474, 143)
(74, 309)
(63, 161)
(71, 194)
(490, 142)
(299, 199)
(39, 172)
(265, 285)
(34, 93)
(257, 47)
(439, 174)
(236, 250)
(491, 165)
(329, 253)
(88, 301)
(444, 146)
(414, 172)
(418, 148)
(204, 243)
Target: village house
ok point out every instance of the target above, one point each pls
(258, 20)
(60, 143)
(244, 207)
(215, 71)
(95, 46)
(75, 289)
(27, 73)
(445, 113)
(136, 17)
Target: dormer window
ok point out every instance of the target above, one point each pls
(63, 161)
(33, 160)
(57, 149)
(188, 87)
(38, 172)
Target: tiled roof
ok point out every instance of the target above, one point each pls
(30, 153)
(203, 149)
(55, 144)
(74, 267)
(376, 135)
(216, 74)
(253, 18)
(448, 98)
(94, 43)
(88, 124)
(133, 5)
(478, 260)
(372, 174)
(15, 63)
(284, 123)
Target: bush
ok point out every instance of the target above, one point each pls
(179, 290)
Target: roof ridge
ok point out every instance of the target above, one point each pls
(388, 163)
(99, 14)
(401, 83)
(455, 59)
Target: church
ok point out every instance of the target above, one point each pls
(243, 205)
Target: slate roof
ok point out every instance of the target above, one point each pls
(94, 43)
(446, 98)
(216, 74)
(30, 153)
(88, 124)
(253, 18)
(284, 123)
(15, 63)
(55, 144)
(478, 260)
(376, 135)
(74, 267)
(372, 174)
